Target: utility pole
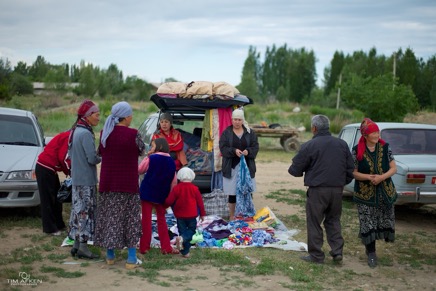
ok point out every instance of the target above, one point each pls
(339, 91)
(394, 70)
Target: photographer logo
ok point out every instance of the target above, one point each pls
(24, 280)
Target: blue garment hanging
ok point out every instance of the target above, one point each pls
(244, 188)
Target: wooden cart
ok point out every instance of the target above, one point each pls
(288, 135)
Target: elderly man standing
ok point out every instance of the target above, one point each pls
(327, 165)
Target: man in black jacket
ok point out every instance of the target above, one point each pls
(328, 166)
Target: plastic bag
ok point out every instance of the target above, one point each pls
(65, 191)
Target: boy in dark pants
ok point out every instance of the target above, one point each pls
(186, 202)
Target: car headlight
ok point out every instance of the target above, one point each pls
(21, 176)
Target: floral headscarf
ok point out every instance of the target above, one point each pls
(366, 127)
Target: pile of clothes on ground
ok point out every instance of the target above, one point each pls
(262, 230)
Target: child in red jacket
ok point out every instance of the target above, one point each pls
(187, 204)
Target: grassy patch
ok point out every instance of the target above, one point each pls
(288, 196)
(61, 273)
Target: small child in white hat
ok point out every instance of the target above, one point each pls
(187, 204)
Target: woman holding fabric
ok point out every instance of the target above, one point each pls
(174, 139)
(119, 209)
(84, 160)
(237, 140)
(374, 191)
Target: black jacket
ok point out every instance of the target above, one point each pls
(326, 161)
(229, 152)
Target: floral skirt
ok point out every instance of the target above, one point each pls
(376, 222)
(82, 218)
(118, 220)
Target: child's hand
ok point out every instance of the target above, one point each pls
(201, 218)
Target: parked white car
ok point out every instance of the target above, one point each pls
(21, 141)
(414, 149)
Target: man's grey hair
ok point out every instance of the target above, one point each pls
(321, 122)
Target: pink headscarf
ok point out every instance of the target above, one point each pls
(366, 127)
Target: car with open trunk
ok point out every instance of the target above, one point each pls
(188, 117)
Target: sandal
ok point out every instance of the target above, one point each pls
(179, 243)
(131, 266)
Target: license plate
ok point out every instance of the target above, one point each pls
(433, 180)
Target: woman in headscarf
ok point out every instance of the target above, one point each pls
(84, 160)
(237, 140)
(119, 208)
(174, 139)
(374, 191)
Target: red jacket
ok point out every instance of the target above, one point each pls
(54, 156)
(186, 201)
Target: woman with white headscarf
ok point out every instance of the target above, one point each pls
(237, 140)
(119, 207)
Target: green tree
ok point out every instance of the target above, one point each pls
(88, 80)
(138, 89)
(331, 73)
(39, 69)
(57, 77)
(22, 69)
(378, 99)
(21, 84)
(250, 76)
(5, 79)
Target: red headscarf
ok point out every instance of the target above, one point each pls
(366, 127)
(86, 109)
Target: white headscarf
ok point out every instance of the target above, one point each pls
(239, 114)
(185, 174)
(119, 110)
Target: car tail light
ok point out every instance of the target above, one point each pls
(415, 178)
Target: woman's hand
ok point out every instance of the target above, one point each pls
(240, 153)
(376, 179)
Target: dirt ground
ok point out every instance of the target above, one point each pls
(271, 176)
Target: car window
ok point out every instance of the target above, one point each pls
(410, 141)
(18, 130)
(147, 129)
(348, 136)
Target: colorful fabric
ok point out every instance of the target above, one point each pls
(244, 189)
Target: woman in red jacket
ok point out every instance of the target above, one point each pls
(174, 139)
(52, 160)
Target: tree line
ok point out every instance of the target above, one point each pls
(91, 80)
(382, 87)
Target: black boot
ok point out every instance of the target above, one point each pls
(75, 247)
(85, 253)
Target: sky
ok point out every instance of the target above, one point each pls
(202, 40)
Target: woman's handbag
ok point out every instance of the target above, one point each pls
(65, 191)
